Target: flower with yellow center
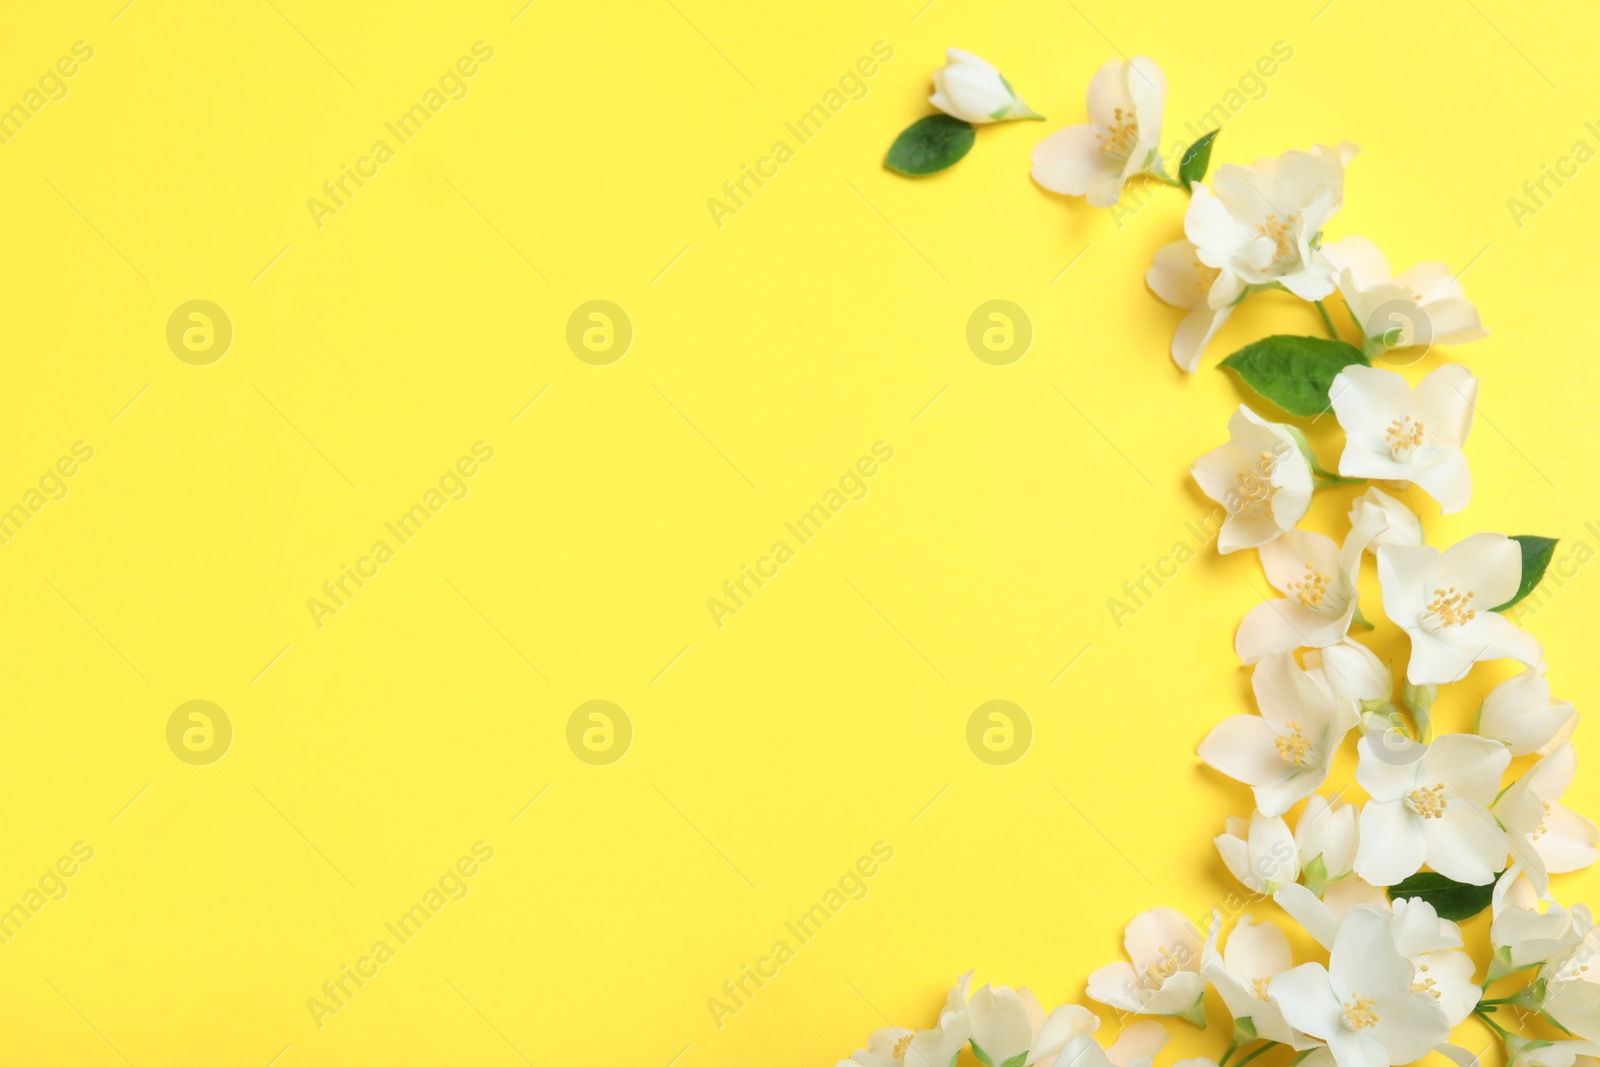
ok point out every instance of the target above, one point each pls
(1094, 160)
(1260, 222)
(1261, 479)
(1242, 973)
(1558, 839)
(1318, 580)
(1162, 973)
(1363, 1003)
(1434, 810)
(1401, 434)
(1446, 602)
(1283, 753)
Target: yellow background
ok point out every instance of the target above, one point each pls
(768, 354)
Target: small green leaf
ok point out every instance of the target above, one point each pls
(1536, 553)
(983, 1057)
(1295, 373)
(930, 145)
(1196, 159)
(1016, 1061)
(1452, 900)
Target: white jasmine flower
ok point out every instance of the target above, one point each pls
(1446, 602)
(1164, 975)
(1398, 433)
(969, 88)
(1178, 277)
(1392, 522)
(1531, 808)
(1433, 811)
(1285, 752)
(1520, 712)
(1572, 982)
(1522, 932)
(1255, 954)
(1260, 852)
(1432, 945)
(1362, 1004)
(1259, 221)
(1120, 140)
(894, 1046)
(1327, 832)
(1425, 304)
(1351, 674)
(1007, 1023)
(1260, 477)
(1318, 581)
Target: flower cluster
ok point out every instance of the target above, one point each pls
(1441, 826)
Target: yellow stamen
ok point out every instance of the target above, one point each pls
(1359, 1013)
(1452, 608)
(1255, 483)
(1428, 801)
(1543, 827)
(1311, 591)
(1293, 747)
(900, 1046)
(1282, 233)
(1404, 435)
(1157, 973)
(1122, 136)
(1205, 277)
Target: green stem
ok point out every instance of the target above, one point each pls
(1326, 320)
(1223, 1062)
(1360, 329)
(1496, 1027)
(1257, 1052)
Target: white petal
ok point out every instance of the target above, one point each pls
(1392, 846)
(1444, 402)
(1069, 161)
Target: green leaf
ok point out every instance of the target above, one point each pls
(1452, 900)
(983, 1057)
(1196, 159)
(930, 145)
(1536, 553)
(1295, 373)
(1016, 1061)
